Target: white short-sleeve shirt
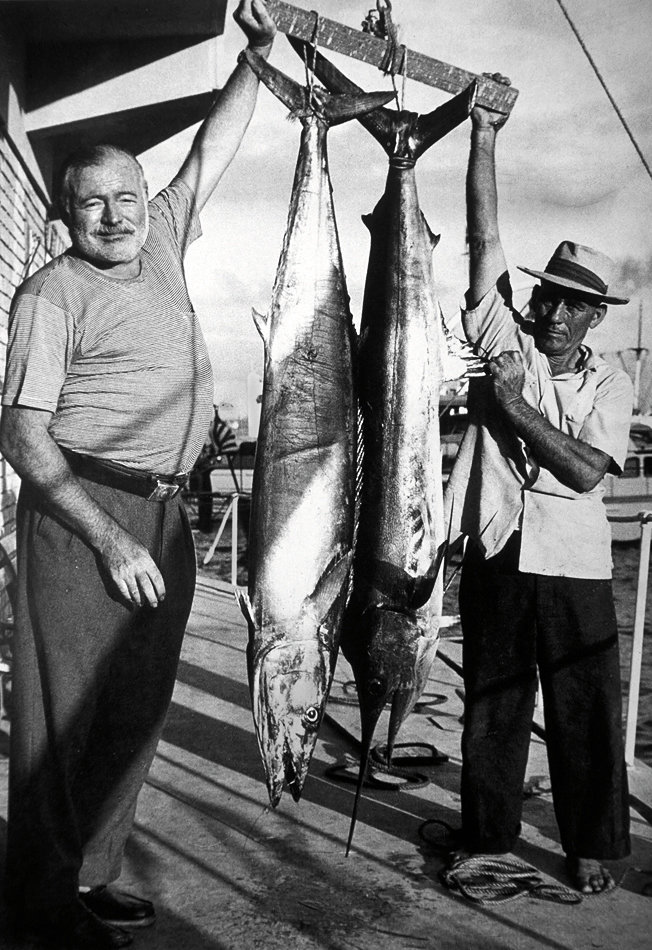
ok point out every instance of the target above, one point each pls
(497, 487)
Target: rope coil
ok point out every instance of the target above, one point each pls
(486, 880)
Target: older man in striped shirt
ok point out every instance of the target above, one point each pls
(107, 397)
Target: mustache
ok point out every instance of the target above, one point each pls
(111, 232)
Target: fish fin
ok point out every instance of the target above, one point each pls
(290, 92)
(341, 108)
(381, 122)
(434, 238)
(262, 324)
(244, 603)
(423, 587)
(329, 586)
(435, 125)
(400, 590)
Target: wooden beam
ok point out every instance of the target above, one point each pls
(369, 49)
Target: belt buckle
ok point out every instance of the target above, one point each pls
(163, 491)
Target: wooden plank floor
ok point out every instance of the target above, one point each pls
(228, 873)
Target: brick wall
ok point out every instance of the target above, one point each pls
(27, 241)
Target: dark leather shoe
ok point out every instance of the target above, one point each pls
(117, 908)
(74, 927)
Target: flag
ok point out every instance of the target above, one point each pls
(222, 436)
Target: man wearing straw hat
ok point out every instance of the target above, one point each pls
(535, 593)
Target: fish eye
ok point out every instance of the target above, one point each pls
(376, 687)
(311, 716)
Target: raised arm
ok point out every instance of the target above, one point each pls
(31, 451)
(221, 132)
(486, 257)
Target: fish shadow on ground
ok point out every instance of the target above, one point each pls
(397, 813)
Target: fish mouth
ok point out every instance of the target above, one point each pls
(291, 682)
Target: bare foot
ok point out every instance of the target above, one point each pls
(588, 875)
(459, 855)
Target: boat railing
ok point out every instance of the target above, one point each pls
(232, 513)
(645, 520)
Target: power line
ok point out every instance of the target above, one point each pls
(604, 86)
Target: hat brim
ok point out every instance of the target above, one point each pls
(573, 285)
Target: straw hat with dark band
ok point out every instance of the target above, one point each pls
(579, 268)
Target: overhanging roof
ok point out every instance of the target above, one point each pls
(134, 72)
(137, 129)
(66, 21)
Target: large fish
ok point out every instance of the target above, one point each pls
(303, 496)
(391, 625)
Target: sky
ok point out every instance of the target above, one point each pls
(566, 168)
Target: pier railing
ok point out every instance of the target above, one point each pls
(231, 512)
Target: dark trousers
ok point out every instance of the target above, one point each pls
(92, 683)
(512, 624)
(201, 483)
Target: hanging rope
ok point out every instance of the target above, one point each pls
(310, 68)
(604, 86)
(379, 23)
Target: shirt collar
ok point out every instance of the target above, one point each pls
(587, 363)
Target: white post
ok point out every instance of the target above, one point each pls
(216, 540)
(637, 640)
(234, 542)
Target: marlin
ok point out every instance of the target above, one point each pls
(391, 625)
(303, 493)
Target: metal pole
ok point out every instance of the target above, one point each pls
(637, 641)
(234, 542)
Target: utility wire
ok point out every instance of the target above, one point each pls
(604, 86)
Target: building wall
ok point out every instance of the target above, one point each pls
(27, 241)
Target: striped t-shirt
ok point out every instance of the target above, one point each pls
(122, 364)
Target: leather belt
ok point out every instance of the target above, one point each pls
(146, 484)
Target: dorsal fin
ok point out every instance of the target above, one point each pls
(434, 238)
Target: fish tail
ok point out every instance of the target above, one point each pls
(291, 93)
(342, 108)
(333, 109)
(435, 125)
(380, 122)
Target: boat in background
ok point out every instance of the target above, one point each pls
(629, 494)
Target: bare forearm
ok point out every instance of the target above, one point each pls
(222, 131)
(28, 447)
(486, 257)
(36, 458)
(574, 463)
